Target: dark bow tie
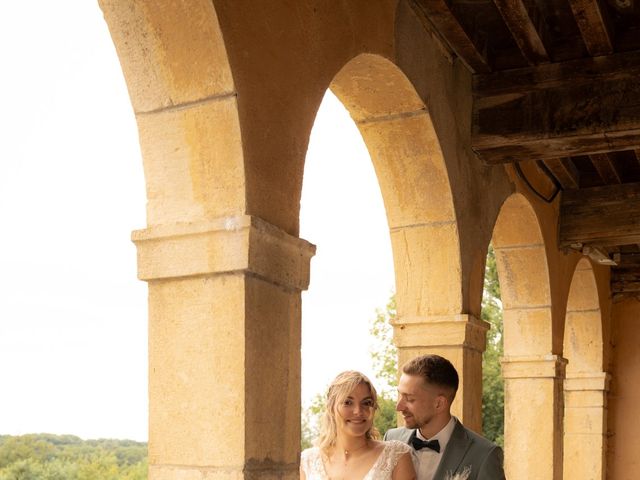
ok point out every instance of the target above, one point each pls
(420, 444)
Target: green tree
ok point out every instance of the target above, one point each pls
(384, 356)
(492, 382)
(22, 469)
(65, 457)
(311, 421)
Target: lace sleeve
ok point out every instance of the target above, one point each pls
(392, 452)
(311, 464)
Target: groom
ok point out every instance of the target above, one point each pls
(443, 447)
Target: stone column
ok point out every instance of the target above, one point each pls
(585, 425)
(224, 348)
(533, 416)
(459, 338)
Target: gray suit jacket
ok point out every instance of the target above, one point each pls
(465, 448)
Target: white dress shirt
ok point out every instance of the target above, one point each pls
(428, 460)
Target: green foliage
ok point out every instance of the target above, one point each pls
(384, 354)
(492, 382)
(66, 457)
(311, 421)
(386, 417)
(384, 357)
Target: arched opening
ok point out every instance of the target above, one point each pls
(586, 384)
(352, 271)
(73, 336)
(532, 373)
(410, 169)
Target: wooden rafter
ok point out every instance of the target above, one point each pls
(624, 280)
(600, 215)
(432, 30)
(625, 6)
(629, 260)
(521, 20)
(443, 19)
(606, 168)
(565, 172)
(556, 110)
(595, 26)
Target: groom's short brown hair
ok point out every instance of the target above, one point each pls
(434, 370)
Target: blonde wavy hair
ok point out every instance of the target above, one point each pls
(338, 391)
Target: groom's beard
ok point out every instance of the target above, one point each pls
(412, 420)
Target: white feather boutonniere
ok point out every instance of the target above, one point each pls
(463, 475)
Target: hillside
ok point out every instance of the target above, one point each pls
(67, 457)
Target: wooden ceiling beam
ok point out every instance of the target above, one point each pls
(565, 172)
(606, 168)
(555, 110)
(595, 26)
(624, 286)
(430, 28)
(600, 216)
(442, 18)
(525, 24)
(625, 279)
(629, 260)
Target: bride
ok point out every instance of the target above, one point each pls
(348, 448)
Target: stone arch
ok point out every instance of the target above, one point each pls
(399, 134)
(583, 337)
(533, 373)
(524, 279)
(586, 384)
(202, 257)
(397, 129)
(175, 64)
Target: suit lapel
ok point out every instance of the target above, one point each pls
(455, 451)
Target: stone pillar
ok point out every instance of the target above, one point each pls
(585, 425)
(224, 348)
(459, 338)
(533, 416)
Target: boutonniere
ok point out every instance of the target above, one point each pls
(463, 475)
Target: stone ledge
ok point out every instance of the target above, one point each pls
(537, 366)
(221, 246)
(598, 382)
(252, 469)
(441, 331)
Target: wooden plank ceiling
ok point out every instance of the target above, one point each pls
(557, 89)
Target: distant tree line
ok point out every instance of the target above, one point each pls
(67, 457)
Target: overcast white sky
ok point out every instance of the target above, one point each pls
(73, 316)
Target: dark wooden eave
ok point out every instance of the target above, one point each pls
(595, 26)
(602, 216)
(580, 107)
(526, 27)
(440, 16)
(556, 89)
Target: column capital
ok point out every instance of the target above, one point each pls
(588, 381)
(437, 331)
(533, 366)
(226, 245)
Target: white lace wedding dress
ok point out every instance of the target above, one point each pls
(313, 468)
